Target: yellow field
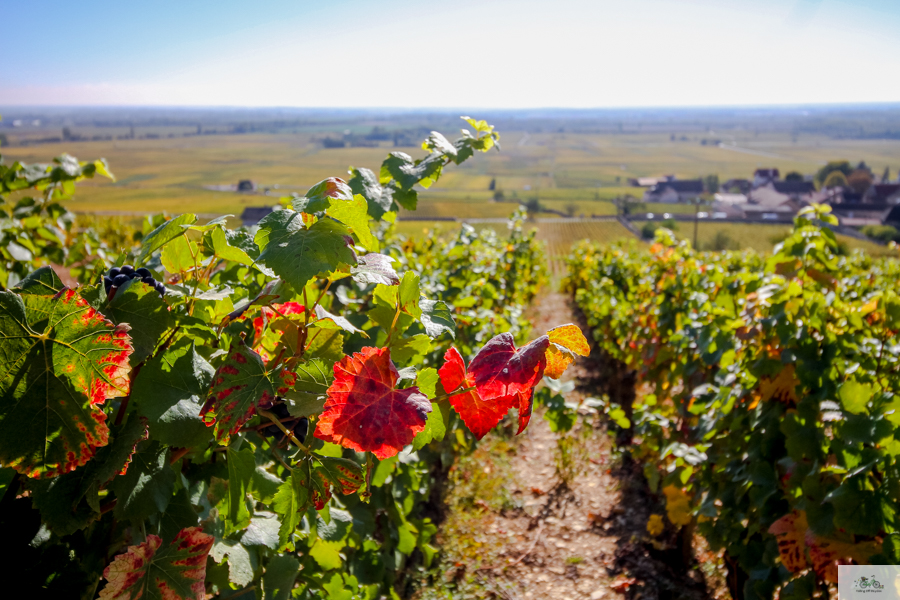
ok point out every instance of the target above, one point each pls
(558, 169)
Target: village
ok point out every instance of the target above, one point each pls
(857, 196)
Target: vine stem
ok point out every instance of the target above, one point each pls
(387, 342)
(451, 394)
(289, 434)
(370, 468)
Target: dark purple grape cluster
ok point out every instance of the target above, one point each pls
(298, 426)
(118, 276)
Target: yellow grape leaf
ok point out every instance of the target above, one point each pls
(566, 341)
(678, 505)
(790, 530)
(655, 525)
(826, 554)
(783, 388)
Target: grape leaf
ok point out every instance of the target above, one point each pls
(298, 254)
(678, 505)
(480, 415)
(324, 194)
(152, 571)
(281, 572)
(62, 359)
(141, 307)
(436, 318)
(168, 393)
(342, 473)
(225, 250)
(239, 386)
(290, 500)
(790, 531)
(354, 214)
(148, 485)
(164, 234)
(566, 341)
(826, 554)
(503, 377)
(309, 392)
(365, 411)
(375, 268)
(364, 182)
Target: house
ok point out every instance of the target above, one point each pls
(857, 214)
(744, 185)
(254, 214)
(893, 217)
(763, 177)
(729, 199)
(246, 185)
(674, 191)
(883, 193)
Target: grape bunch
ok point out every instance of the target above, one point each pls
(299, 426)
(118, 276)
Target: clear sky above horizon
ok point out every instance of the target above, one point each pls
(468, 53)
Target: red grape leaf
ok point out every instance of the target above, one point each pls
(479, 415)
(151, 571)
(268, 314)
(238, 387)
(566, 341)
(504, 377)
(790, 530)
(62, 359)
(364, 410)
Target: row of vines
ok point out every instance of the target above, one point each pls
(767, 412)
(189, 409)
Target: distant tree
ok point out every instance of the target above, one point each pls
(711, 183)
(3, 140)
(499, 196)
(571, 208)
(722, 241)
(67, 134)
(842, 166)
(883, 233)
(794, 176)
(860, 180)
(533, 206)
(835, 179)
(493, 185)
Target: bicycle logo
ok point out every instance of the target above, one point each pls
(867, 583)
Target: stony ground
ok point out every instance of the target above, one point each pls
(539, 536)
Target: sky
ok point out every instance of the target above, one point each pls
(460, 54)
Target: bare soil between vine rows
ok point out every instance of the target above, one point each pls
(586, 539)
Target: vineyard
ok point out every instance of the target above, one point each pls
(290, 410)
(768, 412)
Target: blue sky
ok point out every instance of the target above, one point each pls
(461, 54)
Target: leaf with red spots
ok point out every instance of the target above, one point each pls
(503, 377)
(365, 411)
(344, 474)
(566, 341)
(62, 360)
(238, 387)
(790, 531)
(152, 571)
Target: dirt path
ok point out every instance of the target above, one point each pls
(539, 537)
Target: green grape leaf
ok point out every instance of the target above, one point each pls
(290, 502)
(180, 255)
(152, 571)
(241, 466)
(354, 214)
(404, 349)
(168, 393)
(239, 386)
(327, 554)
(164, 234)
(323, 195)
(436, 318)
(262, 531)
(326, 320)
(240, 564)
(43, 282)
(281, 572)
(435, 425)
(298, 254)
(62, 361)
(147, 487)
(307, 397)
(142, 308)
(225, 250)
(375, 268)
(365, 183)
